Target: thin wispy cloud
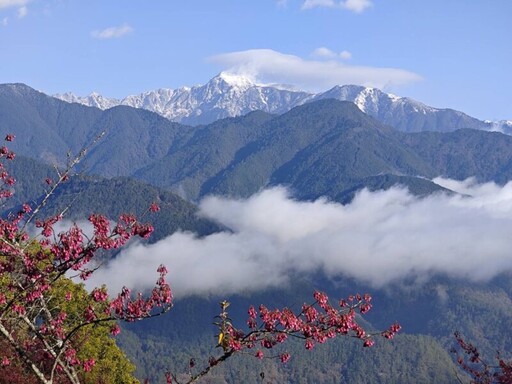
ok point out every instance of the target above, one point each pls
(308, 4)
(22, 12)
(269, 66)
(13, 3)
(345, 55)
(112, 32)
(326, 53)
(357, 6)
(380, 238)
(5, 21)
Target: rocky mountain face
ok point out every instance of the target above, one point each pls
(229, 95)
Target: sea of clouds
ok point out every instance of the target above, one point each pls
(379, 238)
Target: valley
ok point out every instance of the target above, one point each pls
(322, 158)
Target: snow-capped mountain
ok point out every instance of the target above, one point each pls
(503, 126)
(223, 96)
(228, 95)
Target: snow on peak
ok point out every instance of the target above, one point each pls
(232, 94)
(235, 80)
(503, 126)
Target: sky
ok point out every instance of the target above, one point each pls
(380, 238)
(447, 54)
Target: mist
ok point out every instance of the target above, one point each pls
(379, 238)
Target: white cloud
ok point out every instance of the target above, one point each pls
(5, 21)
(112, 32)
(357, 6)
(282, 3)
(268, 66)
(22, 12)
(326, 53)
(13, 3)
(345, 55)
(379, 238)
(308, 4)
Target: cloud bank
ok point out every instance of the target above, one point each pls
(380, 238)
(269, 66)
(112, 32)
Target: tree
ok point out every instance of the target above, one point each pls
(315, 323)
(480, 372)
(42, 315)
(53, 329)
(96, 344)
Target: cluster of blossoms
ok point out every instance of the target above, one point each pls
(314, 323)
(31, 268)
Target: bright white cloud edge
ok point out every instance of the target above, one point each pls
(266, 66)
(380, 238)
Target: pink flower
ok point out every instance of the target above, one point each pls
(284, 357)
(320, 297)
(89, 364)
(365, 308)
(99, 295)
(154, 207)
(115, 330)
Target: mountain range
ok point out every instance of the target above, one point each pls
(325, 147)
(322, 148)
(228, 95)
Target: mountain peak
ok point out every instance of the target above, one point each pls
(19, 88)
(240, 81)
(232, 94)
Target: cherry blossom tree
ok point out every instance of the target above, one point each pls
(33, 321)
(481, 372)
(42, 331)
(315, 323)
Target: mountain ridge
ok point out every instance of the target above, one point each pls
(322, 148)
(228, 95)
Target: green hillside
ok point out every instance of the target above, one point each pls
(324, 148)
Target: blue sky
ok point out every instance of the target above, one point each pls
(445, 53)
